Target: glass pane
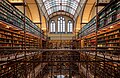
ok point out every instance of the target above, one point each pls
(52, 26)
(61, 28)
(58, 26)
(61, 24)
(65, 5)
(70, 27)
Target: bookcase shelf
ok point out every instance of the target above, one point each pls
(108, 29)
(10, 39)
(109, 39)
(12, 30)
(13, 16)
(107, 16)
(103, 69)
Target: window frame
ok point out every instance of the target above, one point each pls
(69, 26)
(61, 25)
(52, 26)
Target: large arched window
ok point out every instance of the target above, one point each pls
(61, 24)
(52, 26)
(70, 27)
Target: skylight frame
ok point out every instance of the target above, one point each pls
(69, 6)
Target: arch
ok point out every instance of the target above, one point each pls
(34, 10)
(58, 13)
(87, 11)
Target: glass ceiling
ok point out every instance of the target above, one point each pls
(69, 6)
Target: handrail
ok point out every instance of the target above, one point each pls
(51, 50)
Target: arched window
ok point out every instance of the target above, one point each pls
(61, 24)
(70, 27)
(52, 26)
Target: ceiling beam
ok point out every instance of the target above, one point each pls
(102, 4)
(17, 4)
(83, 23)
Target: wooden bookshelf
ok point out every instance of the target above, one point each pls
(109, 15)
(110, 38)
(11, 39)
(103, 69)
(108, 29)
(11, 15)
(12, 29)
(107, 38)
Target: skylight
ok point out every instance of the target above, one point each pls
(69, 6)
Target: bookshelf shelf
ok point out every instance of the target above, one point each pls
(109, 40)
(12, 30)
(108, 31)
(13, 16)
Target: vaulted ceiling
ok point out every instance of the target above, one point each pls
(40, 11)
(67, 7)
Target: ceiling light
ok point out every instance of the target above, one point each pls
(15, 1)
(111, 27)
(7, 26)
(103, 29)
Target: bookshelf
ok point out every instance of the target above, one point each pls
(107, 16)
(11, 39)
(12, 69)
(103, 69)
(108, 37)
(108, 42)
(12, 30)
(11, 15)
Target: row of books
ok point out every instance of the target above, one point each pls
(12, 15)
(106, 16)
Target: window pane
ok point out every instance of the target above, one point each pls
(70, 27)
(58, 26)
(65, 5)
(52, 26)
(61, 24)
(61, 28)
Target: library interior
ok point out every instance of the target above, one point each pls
(59, 38)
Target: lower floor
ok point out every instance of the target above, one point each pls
(60, 63)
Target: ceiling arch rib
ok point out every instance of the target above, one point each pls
(61, 13)
(63, 7)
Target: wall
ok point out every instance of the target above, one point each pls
(28, 14)
(31, 8)
(65, 36)
(44, 23)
